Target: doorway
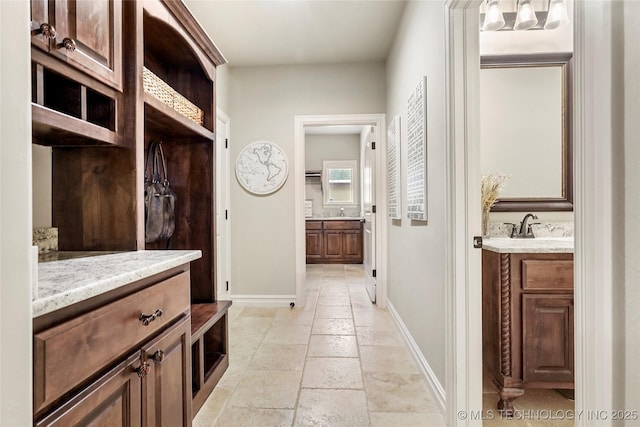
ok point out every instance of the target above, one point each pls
(377, 255)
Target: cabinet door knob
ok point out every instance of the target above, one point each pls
(148, 318)
(158, 356)
(48, 31)
(143, 370)
(67, 43)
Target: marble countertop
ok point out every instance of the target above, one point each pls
(536, 245)
(334, 218)
(66, 282)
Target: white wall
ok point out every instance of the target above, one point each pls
(263, 102)
(222, 87)
(15, 215)
(416, 255)
(41, 186)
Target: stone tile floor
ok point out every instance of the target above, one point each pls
(340, 361)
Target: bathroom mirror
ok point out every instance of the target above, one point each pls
(525, 128)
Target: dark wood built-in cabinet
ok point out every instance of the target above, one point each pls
(334, 241)
(99, 363)
(527, 322)
(93, 108)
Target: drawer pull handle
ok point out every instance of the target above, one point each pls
(158, 356)
(148, 318)
(143, 370)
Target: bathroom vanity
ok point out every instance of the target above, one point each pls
(334, 240)
(527, 315)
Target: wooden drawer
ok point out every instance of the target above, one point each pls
(342, 225)
(313, 225)
(547, 275)
(68, 354)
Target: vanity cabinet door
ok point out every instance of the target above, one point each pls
(333, 244)
(352, 245)
(314, 244)
(547, 329)
(113, 400)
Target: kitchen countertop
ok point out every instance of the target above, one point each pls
(535, 245)
(334, 218)
(68, 281)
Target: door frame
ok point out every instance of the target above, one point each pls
(302, 122)
(223, 181)
(593, 345)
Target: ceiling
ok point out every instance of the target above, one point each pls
(276, 32)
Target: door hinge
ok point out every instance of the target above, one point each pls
(226, 143)
(373, 145)
(373, 209)
(226, 214)
(227, 282)
(373, 273)
(477, 242)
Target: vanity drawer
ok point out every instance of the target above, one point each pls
(68, 354)
(314, 225)
(342, 225)
(547, 275)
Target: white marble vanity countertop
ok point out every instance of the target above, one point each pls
(536, 245)
(334, 218)
(66, 282)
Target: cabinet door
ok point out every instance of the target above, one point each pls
(352, 245)
(95, 27)
(547, 341)
(314, 244)
(167, 387)
(40, 15)
(333, 244)
(113, 400)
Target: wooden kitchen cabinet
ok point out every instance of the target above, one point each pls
(334, 241)
(124, 362)
(527, 322)
(88, 35)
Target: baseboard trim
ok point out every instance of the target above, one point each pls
(263, 300)
(432, 381)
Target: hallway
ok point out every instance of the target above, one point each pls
(340, 361)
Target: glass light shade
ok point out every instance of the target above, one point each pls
(526, 17)
(557, 16)
(493, 19)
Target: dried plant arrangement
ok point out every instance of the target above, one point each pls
(489, 193)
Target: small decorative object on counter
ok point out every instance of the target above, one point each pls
(159, 197)
(490, 191)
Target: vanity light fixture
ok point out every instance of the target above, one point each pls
(494, 19)
(557, 16)
(526, 17)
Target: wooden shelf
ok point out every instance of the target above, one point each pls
(51, 127)
(203, 316)
(165, 119)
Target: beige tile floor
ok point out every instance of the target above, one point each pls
(340, 361)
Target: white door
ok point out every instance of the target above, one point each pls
(223, 226)
(369, 206)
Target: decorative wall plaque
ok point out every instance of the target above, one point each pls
(394, 189)
(417, 153)
(261, 167)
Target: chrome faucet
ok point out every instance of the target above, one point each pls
(525, 229)
(341, 210)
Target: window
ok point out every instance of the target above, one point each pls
(339, 179)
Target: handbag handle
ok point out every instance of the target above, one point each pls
(149, 167)
(164, 178)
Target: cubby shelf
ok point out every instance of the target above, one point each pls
(172, 123)
(52, 127)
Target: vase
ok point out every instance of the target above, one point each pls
(485, 223)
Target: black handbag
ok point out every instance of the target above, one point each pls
(159, 197)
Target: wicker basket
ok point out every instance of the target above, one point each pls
(160, 90)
